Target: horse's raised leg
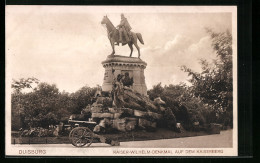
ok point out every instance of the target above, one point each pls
(138, 49)
(131, 48)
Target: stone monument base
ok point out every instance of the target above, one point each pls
(122, 65)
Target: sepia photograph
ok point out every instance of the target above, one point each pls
(121, 80)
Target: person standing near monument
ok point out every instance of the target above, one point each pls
(124, 28)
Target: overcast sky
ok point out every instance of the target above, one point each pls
(65, 45)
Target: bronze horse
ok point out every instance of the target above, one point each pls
(113, 36)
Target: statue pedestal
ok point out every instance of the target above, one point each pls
(122, 64)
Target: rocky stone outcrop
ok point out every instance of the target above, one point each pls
(138, 112)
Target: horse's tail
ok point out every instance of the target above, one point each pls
(139, 36)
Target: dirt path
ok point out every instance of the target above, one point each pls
(222, 140)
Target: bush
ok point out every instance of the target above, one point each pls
(16, 123)
(214, 85)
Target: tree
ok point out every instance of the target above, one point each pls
(214, 84)
(40, 106)
(17, 108)
(82, 98)
(156, 91)
(22, 83)
(180, 100)
(66, 106)
(45, 105)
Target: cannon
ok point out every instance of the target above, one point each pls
(82, 134)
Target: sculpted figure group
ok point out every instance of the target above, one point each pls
(120, 83)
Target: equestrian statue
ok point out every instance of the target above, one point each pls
(122, 34)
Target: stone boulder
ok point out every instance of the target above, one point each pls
(136, 101)
(139, 113)
(119, 124)
(145, 124)
(155, 116)
(158, 101)
(127, 112)
(131, 123)
(96, 109)
(102, 115)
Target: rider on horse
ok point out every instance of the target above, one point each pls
(124, 28)
(126, 36)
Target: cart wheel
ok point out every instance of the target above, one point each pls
(81, 136)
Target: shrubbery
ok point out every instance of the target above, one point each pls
(209, 99)
(46, 105)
